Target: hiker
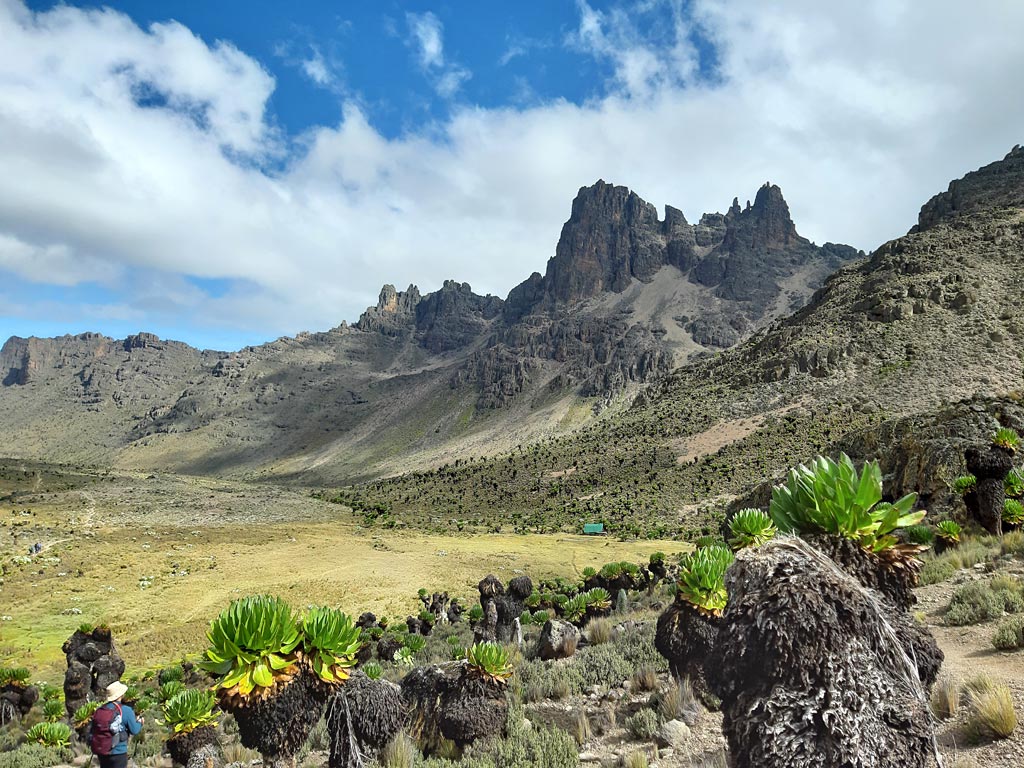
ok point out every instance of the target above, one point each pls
(111, 726)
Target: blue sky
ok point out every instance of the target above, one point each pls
(227, 172)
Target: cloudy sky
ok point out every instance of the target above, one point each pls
(226, 173)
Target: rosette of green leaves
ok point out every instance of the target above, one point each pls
(53, 710)
(476, 613)
(253, 638)
(702, 578)
(965, 484)
(611, 570)
(1013, 483)
(83, 714)
(575, 609)
(330, 643)
(830, 497)
(169, 690)
(1013, 512)
(598, 598)
(50, 734)
(188, 710)
(489, 661)
(1007, 438)
(589, 572)
(47, 692)
(18, 676)
(373, 670)
(532, 600)
(541, 617)
(751, 528)
(415, 643)
(427, 617)
(949, 531)
(405, 657)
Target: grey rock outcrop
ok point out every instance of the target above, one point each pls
(558, 640)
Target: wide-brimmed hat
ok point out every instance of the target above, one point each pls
(115, 691)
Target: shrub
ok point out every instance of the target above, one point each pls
(965, 484)
(702, 578)
(1007, 438)
(643, 725)
(972, 604)
(636, 645)
(993, 716)
(172, 673)
(33, 755)
(490, 662)
(830, 497)
(937, 570)
(602, 665)
(599, 631)
(190, 709)
(750, 528)
(525, 748)
(476, 613)
(252, 642)
(1009, 634)
(945, 698)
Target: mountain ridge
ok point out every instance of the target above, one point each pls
(625, 298)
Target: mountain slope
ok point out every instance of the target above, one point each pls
(928, 319)
(419, 378)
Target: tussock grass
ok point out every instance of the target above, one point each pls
(581, 730)
(978, 685)
(946, 698)
(635, 760)
(600, 631)
(400, 752)
(644, 679)
(678, 702)
(994, 716)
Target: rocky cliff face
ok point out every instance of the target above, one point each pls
(625, 298)
(997, 185)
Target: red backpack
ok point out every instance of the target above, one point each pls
(105, 729)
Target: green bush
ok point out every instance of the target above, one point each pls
(33, 756)
(602, 665)
(643, 725)
(937, 570)
(520, 748)
(636, 645)
(985, 600)
(1009, 634)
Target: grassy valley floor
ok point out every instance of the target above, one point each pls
(157, 557)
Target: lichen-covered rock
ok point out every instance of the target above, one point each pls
(93, 664)
(362, 717)
(205, 757)
(183, 746)
(686, 636)
(558, 640)
(810, 670)
(279, 725)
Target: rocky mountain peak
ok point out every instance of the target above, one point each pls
(454, 316)
(996, 185)
(394, 312)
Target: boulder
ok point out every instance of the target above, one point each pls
(675, 734)
(558, 640)
(810, 670)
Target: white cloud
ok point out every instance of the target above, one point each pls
(428, 38)
(316, 68)
(132, 152)
(427, 31)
